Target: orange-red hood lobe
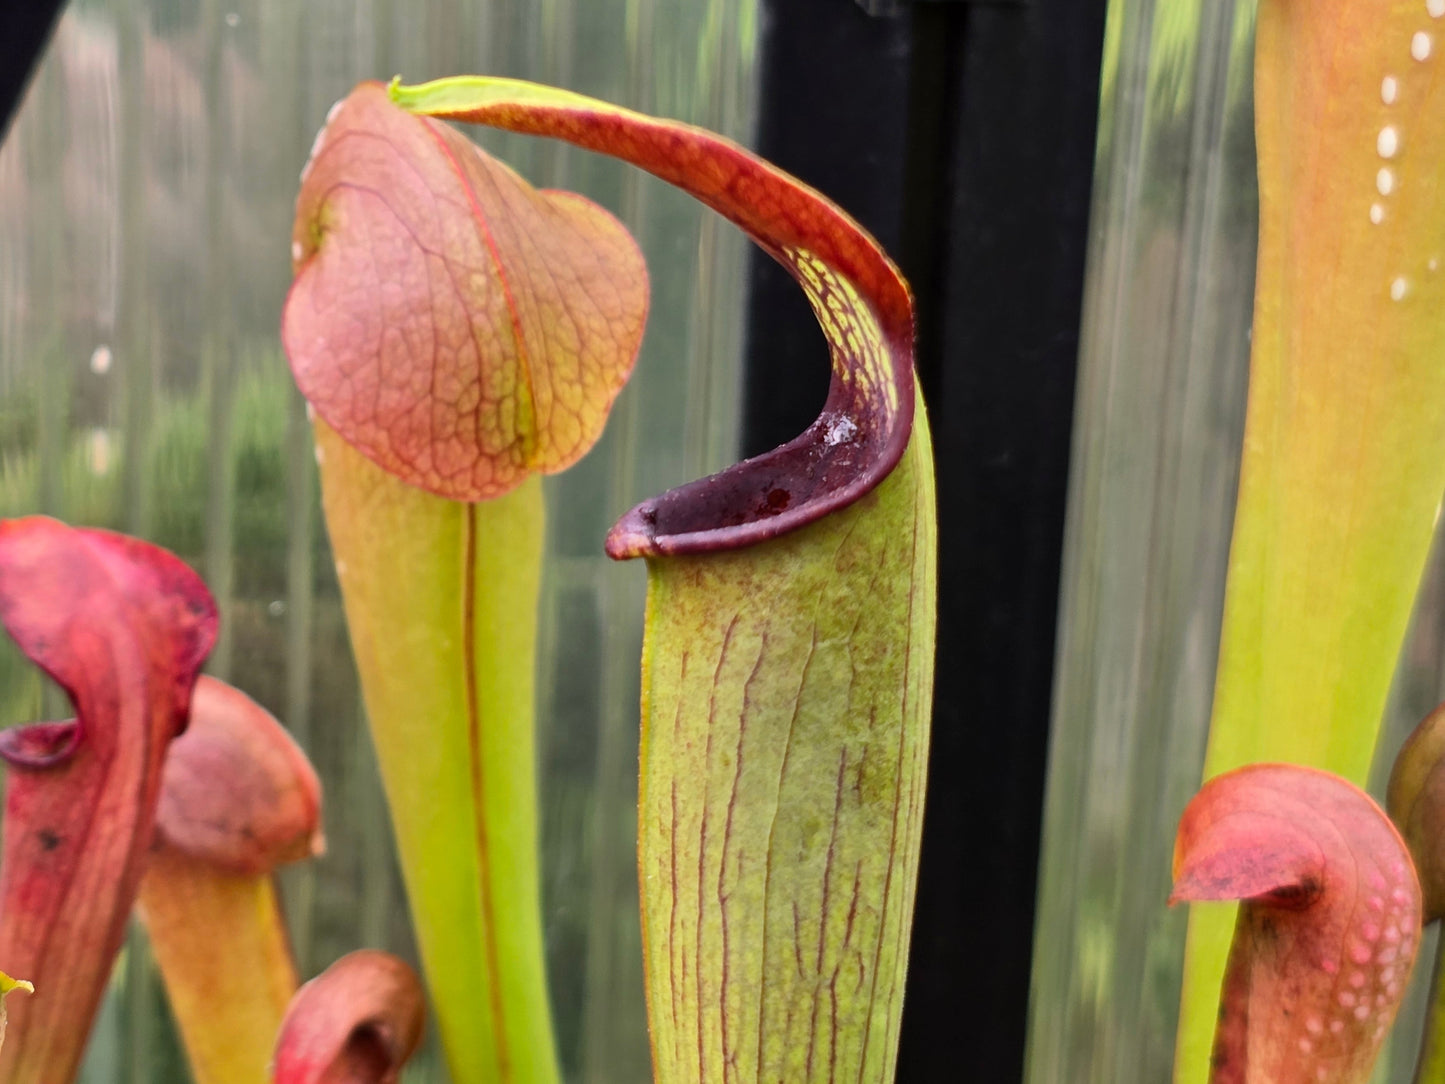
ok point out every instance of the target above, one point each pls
(458, 327)
(123, 628)
(1328, 928)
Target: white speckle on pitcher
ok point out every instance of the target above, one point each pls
(840, 429)
(1388, 141)
(1399, 288)
(1389, 90)
(1385, 181)
(1420, 45)
(1377, 213)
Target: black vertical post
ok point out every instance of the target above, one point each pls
(962, 136)
(25, 27)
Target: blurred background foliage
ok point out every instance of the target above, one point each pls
(146, 189)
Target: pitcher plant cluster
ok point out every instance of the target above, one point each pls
(458, 333)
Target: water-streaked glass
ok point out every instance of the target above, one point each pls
(146, 190)
(1158, 418)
